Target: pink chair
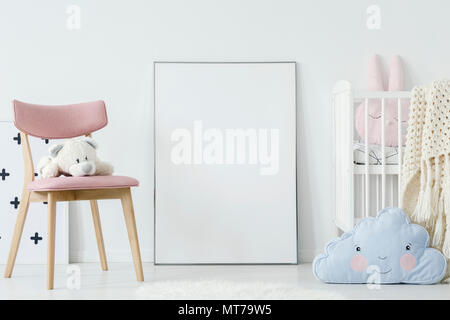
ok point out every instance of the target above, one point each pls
(60, 122)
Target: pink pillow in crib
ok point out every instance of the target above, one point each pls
(391, 106)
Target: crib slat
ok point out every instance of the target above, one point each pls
(392, 191)
(367, 180)
(378, 192)
(363, 184)
(383, 155)
(400, 151)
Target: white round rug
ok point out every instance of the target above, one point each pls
(230, 290)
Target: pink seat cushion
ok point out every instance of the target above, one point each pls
(80, 183)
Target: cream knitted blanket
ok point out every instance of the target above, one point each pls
(426, 166)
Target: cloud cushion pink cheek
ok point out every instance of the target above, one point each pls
(385, 249)
(358, 263)
(408, 261)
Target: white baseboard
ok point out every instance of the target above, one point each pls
(111, 256)
(305, 256)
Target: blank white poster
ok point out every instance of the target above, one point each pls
(225, 163)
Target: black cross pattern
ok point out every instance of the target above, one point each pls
(36, 238)
(45, 140)
(18, 139)
(35, 174)
(4, 174)
(15, 203)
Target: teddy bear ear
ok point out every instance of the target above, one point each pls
(54, 149)
(91, 142)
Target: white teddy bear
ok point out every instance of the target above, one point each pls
(75, 157)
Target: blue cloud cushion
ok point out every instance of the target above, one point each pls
(385, 249)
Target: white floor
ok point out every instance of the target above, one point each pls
(28, 282)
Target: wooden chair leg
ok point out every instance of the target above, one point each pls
(51, 223)
(127, 204)
(99, 234)
(18, 229)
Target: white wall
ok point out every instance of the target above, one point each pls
(111, 58)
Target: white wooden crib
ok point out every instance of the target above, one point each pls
(361, 190)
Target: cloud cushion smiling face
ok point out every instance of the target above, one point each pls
(385, 249)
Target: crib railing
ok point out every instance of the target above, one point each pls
(347, 210)
(381, 95)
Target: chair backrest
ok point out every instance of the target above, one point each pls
(59, 122)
